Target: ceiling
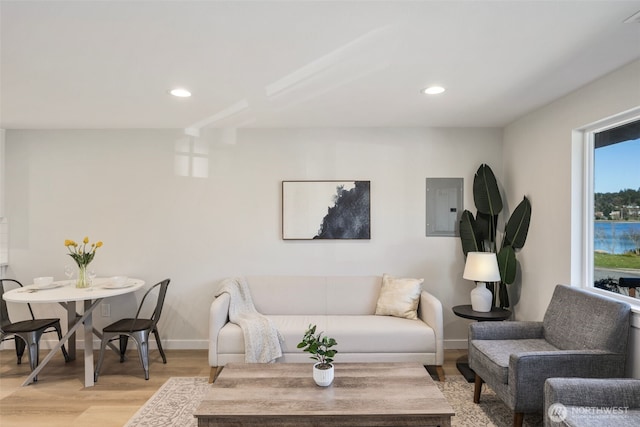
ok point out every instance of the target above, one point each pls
(106, 64)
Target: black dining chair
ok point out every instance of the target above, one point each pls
(138, 329)
(26, 332)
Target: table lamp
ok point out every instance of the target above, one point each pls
(481, 267)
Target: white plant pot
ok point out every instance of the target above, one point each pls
(322, 377)
(481, 298)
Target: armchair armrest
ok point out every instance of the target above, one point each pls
(505, 330)
(595, 392)
(218, 317)
(528, 371)
(430, 312)
(566, 363)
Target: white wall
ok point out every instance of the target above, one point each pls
(537, 162)
(4, 232)
(120, 187)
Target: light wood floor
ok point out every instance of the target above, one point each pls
(60, 399)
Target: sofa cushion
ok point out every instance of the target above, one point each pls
(381, 334)
(354, 334)
(399, 297)
(360, 334)
(494, 354)
(301, 295)
(291, 328)
(352, 295)
(295, 295)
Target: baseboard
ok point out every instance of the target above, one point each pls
(46, 344)
(459, 344)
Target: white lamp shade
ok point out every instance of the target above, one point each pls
(481, 267)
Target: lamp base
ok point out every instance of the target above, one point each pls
(481, 298)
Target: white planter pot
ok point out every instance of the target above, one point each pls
(322, 377)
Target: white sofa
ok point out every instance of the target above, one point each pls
(342, 307)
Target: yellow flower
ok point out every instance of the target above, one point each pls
(82, 253)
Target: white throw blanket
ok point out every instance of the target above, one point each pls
(261, 338)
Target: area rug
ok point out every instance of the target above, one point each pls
(174, 403)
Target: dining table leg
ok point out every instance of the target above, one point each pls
(88, 345)
(71, 320)
(88, 366)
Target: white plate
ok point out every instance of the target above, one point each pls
(48, 286)
(117, 285)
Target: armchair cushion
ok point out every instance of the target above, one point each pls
(494, 354)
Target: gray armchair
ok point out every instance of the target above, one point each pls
(591, 402)
(582, 335)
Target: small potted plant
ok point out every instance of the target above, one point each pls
(320, 349)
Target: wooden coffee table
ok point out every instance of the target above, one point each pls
(362, 394)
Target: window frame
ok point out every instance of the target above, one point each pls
(582, 191)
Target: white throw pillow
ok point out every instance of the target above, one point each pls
(399, 297)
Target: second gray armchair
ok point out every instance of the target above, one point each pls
(592, 402)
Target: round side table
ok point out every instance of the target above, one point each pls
(496, 314)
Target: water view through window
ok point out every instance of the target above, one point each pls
(616, 227)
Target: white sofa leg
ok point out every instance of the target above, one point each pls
(213, 374)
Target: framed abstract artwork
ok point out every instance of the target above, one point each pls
(326, 210)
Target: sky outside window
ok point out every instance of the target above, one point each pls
(617, 167)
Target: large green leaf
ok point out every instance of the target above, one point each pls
(486, 194)
(518, 225)
(486, 226)
(507, 264)
(504, 296)
(468, 234)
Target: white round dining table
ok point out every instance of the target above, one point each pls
(65, 293)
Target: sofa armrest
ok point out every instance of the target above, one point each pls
(430, 312)
(218, 317)
(510, 330)
(594, 392)
(528, 371)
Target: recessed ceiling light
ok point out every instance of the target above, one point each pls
(181, 93)
(433, 90)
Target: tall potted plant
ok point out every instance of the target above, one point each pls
(478, 234)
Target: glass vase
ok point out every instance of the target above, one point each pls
(83, 277)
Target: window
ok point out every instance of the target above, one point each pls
(614, 196)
